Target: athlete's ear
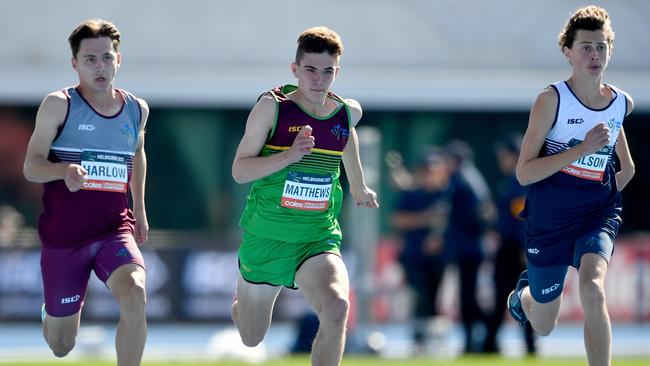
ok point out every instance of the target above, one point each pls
(73, 61)
(119, 59)
(294, 69)
(567, 53)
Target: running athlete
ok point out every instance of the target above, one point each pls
(294, 141)
(88, 150)
(573, 206)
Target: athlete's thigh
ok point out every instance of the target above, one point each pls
(546, 282)
(65, 274)
(323, 278)
(115, 252)
(596, 242)
(255, 303)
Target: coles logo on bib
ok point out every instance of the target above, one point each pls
(106, 171)
(306, 191)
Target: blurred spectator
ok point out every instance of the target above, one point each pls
(421, 219)
(510, 258)
(10, 223)
(471, 213)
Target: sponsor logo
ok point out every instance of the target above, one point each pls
(533, 250)
(122, 253)
(575, 121)
(339, 132)
(70, 300)
(128, 131)
(86, 127)
(89, 185)
(613, 124)
(293, 129)
(548, 290)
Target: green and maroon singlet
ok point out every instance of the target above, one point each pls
(301, 202)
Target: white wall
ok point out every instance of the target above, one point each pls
(399, 54)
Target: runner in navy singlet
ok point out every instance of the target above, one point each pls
(573, 205)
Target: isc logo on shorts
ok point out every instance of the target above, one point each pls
(70, 300)
(547, 291)
(533, 250)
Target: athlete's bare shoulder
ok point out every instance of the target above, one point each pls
(56, 98)
(263, 113)
(629, 102)
(549, 96)
(355, 111)
(144, 107)
(53, 109)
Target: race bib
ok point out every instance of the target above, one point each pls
(590, 167)
(308, 192)
(106, 171)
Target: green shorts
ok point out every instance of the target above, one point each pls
(275, 262)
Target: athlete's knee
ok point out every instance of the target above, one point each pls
(544, 329)
(335, 311)
(250, 337)
(592, 292)
(61, 345)
(131, 294)
(544, 317)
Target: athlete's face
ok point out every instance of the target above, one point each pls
(316, 73)
(96, 63)
(589, 54)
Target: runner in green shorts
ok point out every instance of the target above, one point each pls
(295, 140)
(275, 262)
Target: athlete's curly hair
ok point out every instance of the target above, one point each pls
(589, 18)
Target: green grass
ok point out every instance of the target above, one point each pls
(361, 361)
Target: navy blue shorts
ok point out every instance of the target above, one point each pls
(546, 282)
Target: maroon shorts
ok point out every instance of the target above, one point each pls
(66, 271)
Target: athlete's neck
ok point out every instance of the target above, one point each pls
(320, 107)
(108, 102)
(592, 92)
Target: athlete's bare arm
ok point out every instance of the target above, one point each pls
(247, 165)
(37, 168)
(626, 173)
(138, 179)
(363, 195)
(531, 168)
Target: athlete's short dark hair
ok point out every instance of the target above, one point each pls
(318, 40)
(93, 28)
